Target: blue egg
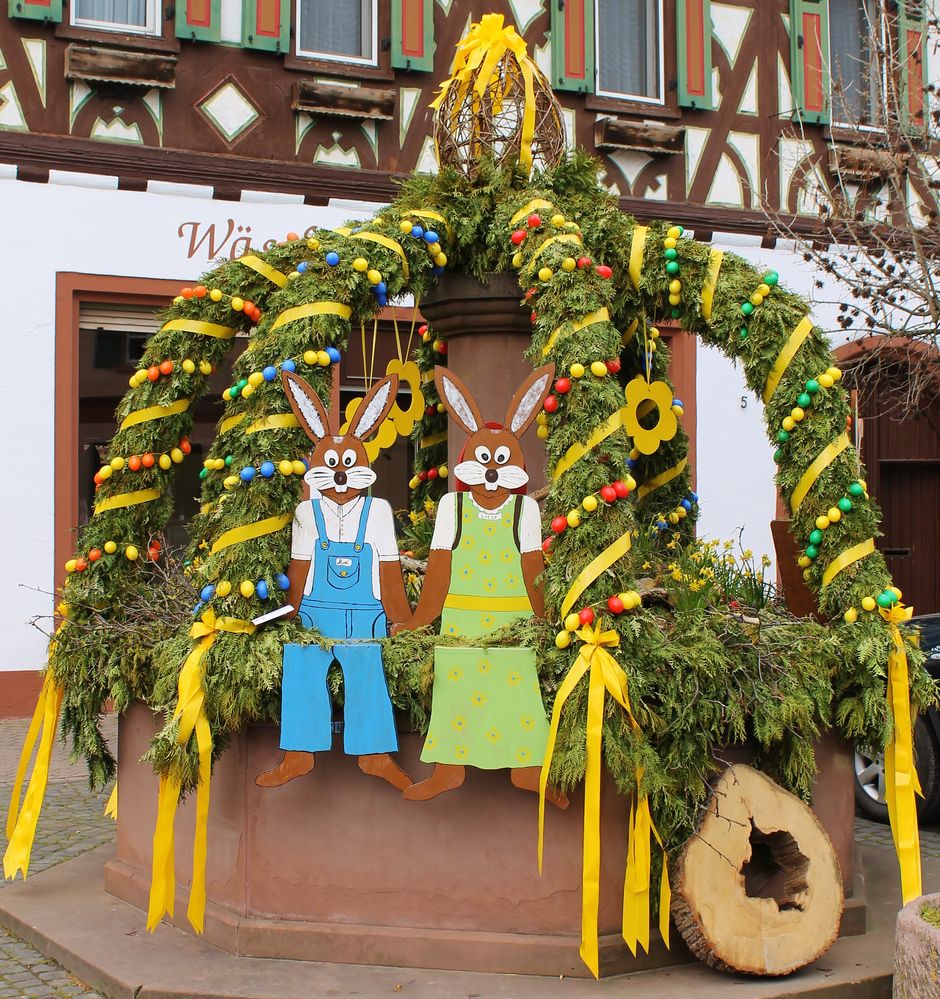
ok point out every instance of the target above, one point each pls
(288, 365)
(207, 592)
(282, 581)
(382, 300)
(437, 270)
(305, 463)
(686, 505)
(334, 354)
(198, 607)
(269, 373)
(694, 497)
(631, 464)
(677, 402)
(332, 258)
(661, 525)
(431, 236)
(267, 469)
(417, 231)
(302, 267)
(381, 288)
(247, 473)
(261, 590)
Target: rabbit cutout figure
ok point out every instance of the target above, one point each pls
(345, 581)
(485, 559)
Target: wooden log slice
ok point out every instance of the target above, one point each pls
(757, 888)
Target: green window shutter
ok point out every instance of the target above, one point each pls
(266, 25)
(198, 20)
(36, 10)
(809, 60)
(912, 59)
(694, 55)
(413, 35)
(573, 45)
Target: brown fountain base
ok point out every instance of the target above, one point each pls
(337, 866)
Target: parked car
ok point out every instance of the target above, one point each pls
(870, 771)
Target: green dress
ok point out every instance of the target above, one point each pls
(486, 707)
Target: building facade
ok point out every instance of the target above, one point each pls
(139, 141)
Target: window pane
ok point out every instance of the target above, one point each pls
(850, 41)
(336, 27)
(628, 47)
(133, 13)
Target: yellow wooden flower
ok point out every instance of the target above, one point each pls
(637, 393)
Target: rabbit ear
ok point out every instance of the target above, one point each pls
(375, 407)
(528, 399)
(458, 400)
(306, 405)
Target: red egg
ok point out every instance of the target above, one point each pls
(133, 463)
(423, 329)
(608, 494)
(550, 405)
(200, 291)
(423, 476)
(559, 524)
(291, 236)
(563, 386)
(533, 316)
(80, 565)
(534, 220)
(442, 349)
(529, 294)
(586, 616)
(97, 479)
(615, 605)
(613, 366)
(187, 292)
(94, 555)
(153, 372)
(620, 488)
(517, 237)
(603, 271)
(547, 545)
(166, 368)
(147, 460)
(584, 262)
(185, 446)
(432, 473)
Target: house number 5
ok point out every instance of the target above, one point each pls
(743, 402)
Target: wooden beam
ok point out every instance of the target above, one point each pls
(101, 65)
(350, 102)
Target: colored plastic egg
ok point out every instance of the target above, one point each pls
(332, 258)
(261, 589)
(267, 469)
(246, 588)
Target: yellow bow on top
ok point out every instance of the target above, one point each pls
(901, 782)
(605, 675)
(479, 52)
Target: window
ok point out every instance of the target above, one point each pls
(854, 28)
(629, 49)
(138, 17)
(340, 30)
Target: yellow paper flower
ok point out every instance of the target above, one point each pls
(645, 440)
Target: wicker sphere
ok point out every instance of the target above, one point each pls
(479, 119)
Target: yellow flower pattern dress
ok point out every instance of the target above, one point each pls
(486, 708)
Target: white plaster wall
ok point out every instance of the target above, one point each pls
(68, 226)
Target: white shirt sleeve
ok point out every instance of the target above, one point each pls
(303, 533)
(380, 531)
(445, 526)
(530, 526)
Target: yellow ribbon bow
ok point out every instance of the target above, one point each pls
(901, 782)
(481, 49)
(191, 714)
(605, 675)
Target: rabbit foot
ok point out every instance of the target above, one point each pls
(294, 764)
(382, 765)
(527, 778)
(446, 777)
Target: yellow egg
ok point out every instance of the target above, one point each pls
(598, 369)
(293, 275)
(323, 359)
(763, 289)
(440, 407)
(834, 514)
(673, 518)
(248, 390)
(426, 337)
(756, 298)
(545, 273)
(834, 373)
(896, 592)
(675, 287)
(542, 432)
(669, 243)
(110, 547)
(569, 264)
(117, 464)
(255, 378)
(374, 276)
(405, 226)
(634, 454)
(797, 414)
(230, 481)
(558, 220)
(681, 512)
(238, 304)
(517, 260)
(177, 455)
(70, 565)
(132, 381)
(360, 264)
(414, 482)
(310, 357)
(216, 295)
(654, 332)
(850, 615)
(589, 503)
(630, 483)
(562, 640)
(105, 473)
(825, 380)
(285, 467)
(541, 419)
(224, 588)
(440, 259)
(246, 588)
(313, 244)
(822, 523)
(205, 368)
(572, 622)
(675, 299)
(188, 366)
(131, 553)
(868, 603)
(442, 471)
(576, 370)
(674, 232)
(574, 518)
(298, 467)
(165, 462)
(803, 561)
(788, 423)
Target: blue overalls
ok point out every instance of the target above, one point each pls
(342, 605)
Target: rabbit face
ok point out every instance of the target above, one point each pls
(492, 463)
(339, 469)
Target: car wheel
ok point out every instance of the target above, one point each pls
(870, 778)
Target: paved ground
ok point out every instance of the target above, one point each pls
(73, 823)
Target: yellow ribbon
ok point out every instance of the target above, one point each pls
(464, 601)
(248, 532)
(562, 237)
(577, 451)
(661, 479)
(154, 413)
(198, 326)
(191, 715)
(594, 568)
(601, 315)
(528, 209)
(264, 269)
(826, 457)
(127, 499)
(637, 247)
(847, 558)
(110, 809)
(311, 309)
(277, 421)
(425, 213)
(375, 237)
(477, 60)
(605, 676)
(793, 344)
(901, 780)
(629, 333)
(711, 282)
(230, 421)
(427, 442)
(21, 823)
